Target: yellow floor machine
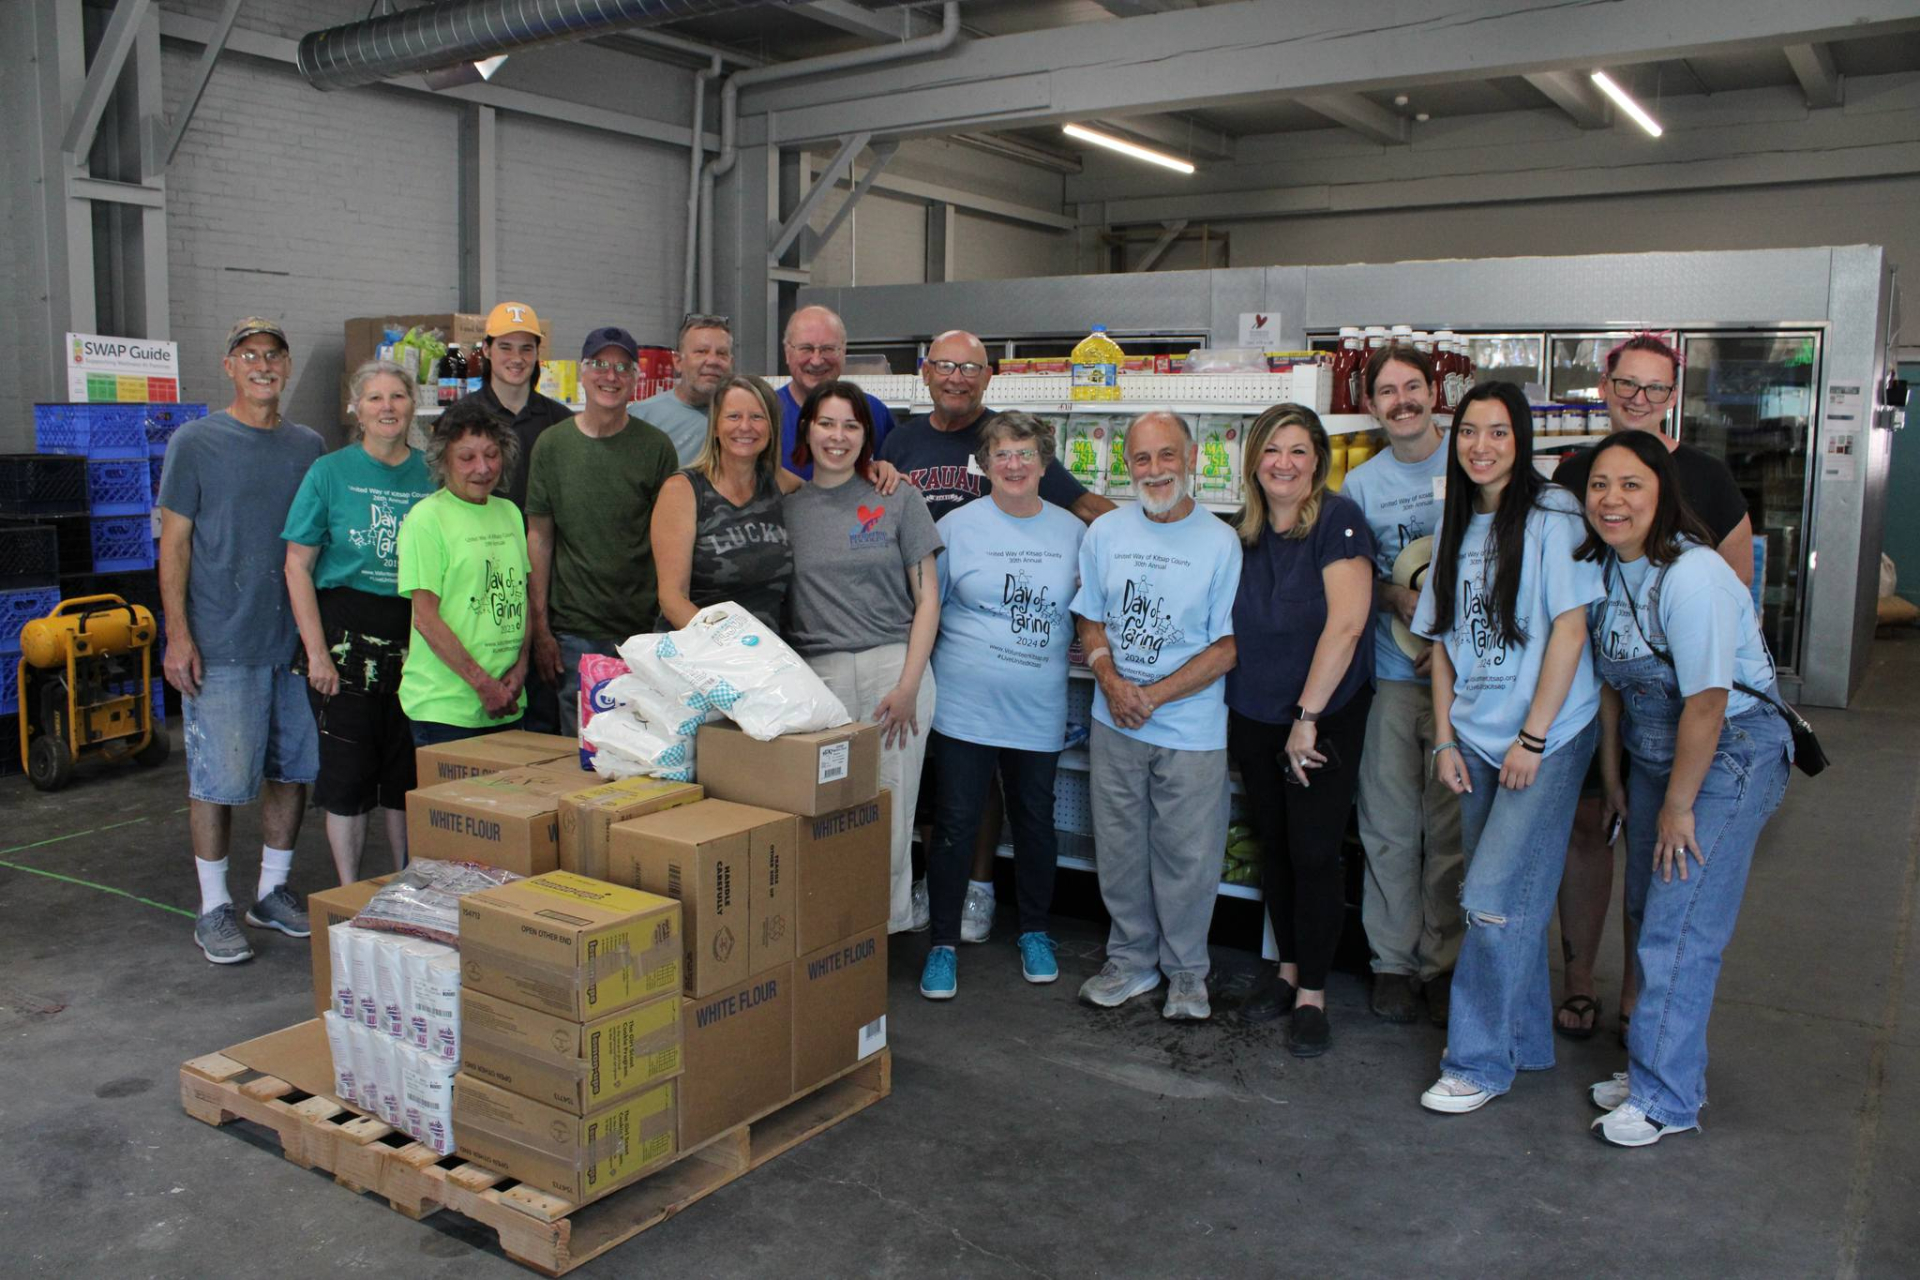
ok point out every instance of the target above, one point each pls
(86, 688)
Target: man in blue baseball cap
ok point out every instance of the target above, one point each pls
(590, 491)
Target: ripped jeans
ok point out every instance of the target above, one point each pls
(1516, 846)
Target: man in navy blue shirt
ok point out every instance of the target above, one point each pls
(935, 451)
(816, 348)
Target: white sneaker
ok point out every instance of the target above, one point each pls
(922, 913)
(1455, 1096)
(1628, 1126)
(976, 914)
(1609, 1094)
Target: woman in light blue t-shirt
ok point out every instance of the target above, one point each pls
(1690, 697)
(1514, 703)
(1006, 581)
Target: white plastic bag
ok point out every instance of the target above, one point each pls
(739, 666)
(427, 1098)
(340, 1034)
(627, 746)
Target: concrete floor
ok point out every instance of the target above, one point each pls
(1028, 1135)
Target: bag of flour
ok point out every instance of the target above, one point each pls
(427, 1098)
(736, 664)
(340, 1041)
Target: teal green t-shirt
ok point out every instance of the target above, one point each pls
(350, 505)
(473, 556)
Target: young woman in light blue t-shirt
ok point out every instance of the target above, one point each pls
(1689, 697)
(1514, 703)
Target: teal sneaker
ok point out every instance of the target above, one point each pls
(940, 978)
(1036, 957)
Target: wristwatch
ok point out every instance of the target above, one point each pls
(1305, 716)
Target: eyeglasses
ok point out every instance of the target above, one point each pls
(966, 369)
(807, 350)
(1007, 457)
(609, 366)
(1656, 392)
(701, 320)
(253, 356)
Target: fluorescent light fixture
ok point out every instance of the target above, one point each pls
(1126, 148)
(487, 66)
(1626, 103)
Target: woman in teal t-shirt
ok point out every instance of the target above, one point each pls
(343, 560)
(463, 563)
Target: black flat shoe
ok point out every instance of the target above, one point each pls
(1310, 1035)
(1272, 999)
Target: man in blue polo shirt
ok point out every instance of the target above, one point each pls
(816, 347)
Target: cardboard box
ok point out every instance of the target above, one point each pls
(509, 819)
(324, 910)
(576, 1066)
(843, 873)
(737, 1047)
(804, 773)
(587, 816)
(839, 1007)
(568, 945)
(492, 753)
(578, 1158)
(703, 855)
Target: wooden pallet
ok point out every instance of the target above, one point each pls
(535, 1229)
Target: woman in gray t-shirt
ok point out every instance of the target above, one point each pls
(864, 608)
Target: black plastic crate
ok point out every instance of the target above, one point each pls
(29, 555)
(9, 745)
(42, 484)
(140, 586)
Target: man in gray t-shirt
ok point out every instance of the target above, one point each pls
(224, 492)
(701, 362)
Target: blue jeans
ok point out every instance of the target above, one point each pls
(962, 772)
(431, 733)
(1685, 925)
(1516, 847)
(247, 723)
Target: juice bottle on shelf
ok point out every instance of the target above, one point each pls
(1336, 462)
(476, 370)
(1359, 448)
(1096, 366)
(1348, 364)
(450, 375)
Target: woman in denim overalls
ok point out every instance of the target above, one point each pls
(1677, 643)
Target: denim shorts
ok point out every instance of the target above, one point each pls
(248, 723)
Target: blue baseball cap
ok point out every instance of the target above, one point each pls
(609, 336)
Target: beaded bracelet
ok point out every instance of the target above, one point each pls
(1445, 746)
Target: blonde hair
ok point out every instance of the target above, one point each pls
(708, 463)
(1254, 515)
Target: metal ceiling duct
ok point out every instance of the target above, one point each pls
(431, 36)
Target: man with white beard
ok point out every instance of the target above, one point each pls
(1155, 617)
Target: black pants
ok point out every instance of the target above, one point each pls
(962, 771)
(1301, 830)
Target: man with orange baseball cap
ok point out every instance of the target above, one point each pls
(513, 340)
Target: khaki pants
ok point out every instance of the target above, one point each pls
(1410, 826)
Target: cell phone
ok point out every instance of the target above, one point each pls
(1613, 830)
(1325, 749)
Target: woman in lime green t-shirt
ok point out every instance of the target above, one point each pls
(463, 562)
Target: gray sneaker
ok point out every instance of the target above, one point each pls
(218, 936)
(976, 915)
(1187, 999)
(1114, 986)
(279, 910)
(922, 908)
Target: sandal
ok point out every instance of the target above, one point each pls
(1585, 1008)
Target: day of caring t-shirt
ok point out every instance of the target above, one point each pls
(473, 556)
(1402, 502)
(1699, 614)
(1001, 661)
(350, 506)
(1493, 682)
(854, 553)
(1164, 592)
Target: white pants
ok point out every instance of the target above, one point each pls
(860, 680)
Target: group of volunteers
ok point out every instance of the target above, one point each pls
(326, 613)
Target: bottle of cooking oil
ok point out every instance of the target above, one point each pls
(1096, 367)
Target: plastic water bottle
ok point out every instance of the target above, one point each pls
(1096, 366)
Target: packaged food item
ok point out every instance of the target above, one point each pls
(738, 665)
(597, 671)
(1096, 366)
(361, 944)
(388, 984)
(1349, 366)
(1217, 477)
(342, 1002)
(432, 1017)
(1083, 444)
(426, 1093)
(340, 1041)
(424, 901)
(1226, 360)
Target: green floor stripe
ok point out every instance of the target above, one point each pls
(71, 835)
(88, 884)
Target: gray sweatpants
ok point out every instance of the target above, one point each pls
(1410, 827)
(1160, 837)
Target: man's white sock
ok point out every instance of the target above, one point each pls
(274, 865)
(984, 886)
(213, 884)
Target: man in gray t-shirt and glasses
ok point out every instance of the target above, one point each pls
(224, 492)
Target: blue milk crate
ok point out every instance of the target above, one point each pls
(17, 609)
(162, 421)
(91, 430)
(155, 465)
(119, 486)
(121, 543)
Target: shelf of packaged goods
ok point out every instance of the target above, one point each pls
(1074, 862)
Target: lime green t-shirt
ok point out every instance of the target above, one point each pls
(599, 492)
(473, 556)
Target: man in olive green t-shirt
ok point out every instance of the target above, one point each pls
(590, 492)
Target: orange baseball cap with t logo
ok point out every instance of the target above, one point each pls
(513, 317)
